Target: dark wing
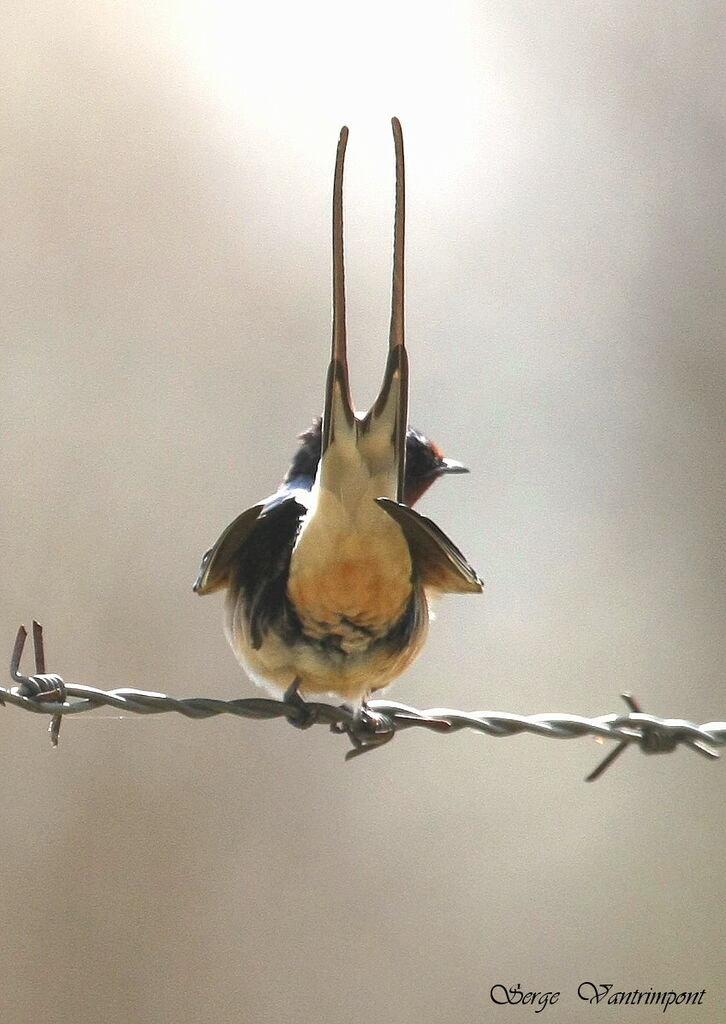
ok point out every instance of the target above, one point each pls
(216, 564)
(253, 557)
(261, 567)
(439, 562)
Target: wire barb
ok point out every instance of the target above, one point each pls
(41, 687)
(653, 740)
(367, 728)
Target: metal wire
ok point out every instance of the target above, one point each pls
(367, 728)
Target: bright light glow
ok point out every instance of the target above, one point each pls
(300, 70)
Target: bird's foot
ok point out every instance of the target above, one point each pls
(367, 730)
(300, 713)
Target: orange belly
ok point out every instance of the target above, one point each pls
(358, 592)
(319, 668)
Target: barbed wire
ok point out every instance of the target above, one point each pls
(367, 728)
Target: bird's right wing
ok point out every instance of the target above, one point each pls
(441, 565)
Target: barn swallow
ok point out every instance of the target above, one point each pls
(329, 580)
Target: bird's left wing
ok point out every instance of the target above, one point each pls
(213, 572)
(441, 565)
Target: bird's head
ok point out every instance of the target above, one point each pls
(425, 462)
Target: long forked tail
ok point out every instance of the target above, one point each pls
(339, 413)
(380, 436)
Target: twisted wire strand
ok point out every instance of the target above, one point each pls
(367, 728)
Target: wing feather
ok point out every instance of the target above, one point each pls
(439, 562)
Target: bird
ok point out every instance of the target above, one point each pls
(329, 580)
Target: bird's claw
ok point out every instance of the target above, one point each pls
(299, 713)
(367, 730)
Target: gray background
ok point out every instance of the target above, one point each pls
(166, 176)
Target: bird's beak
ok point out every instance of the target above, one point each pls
(452, 466)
